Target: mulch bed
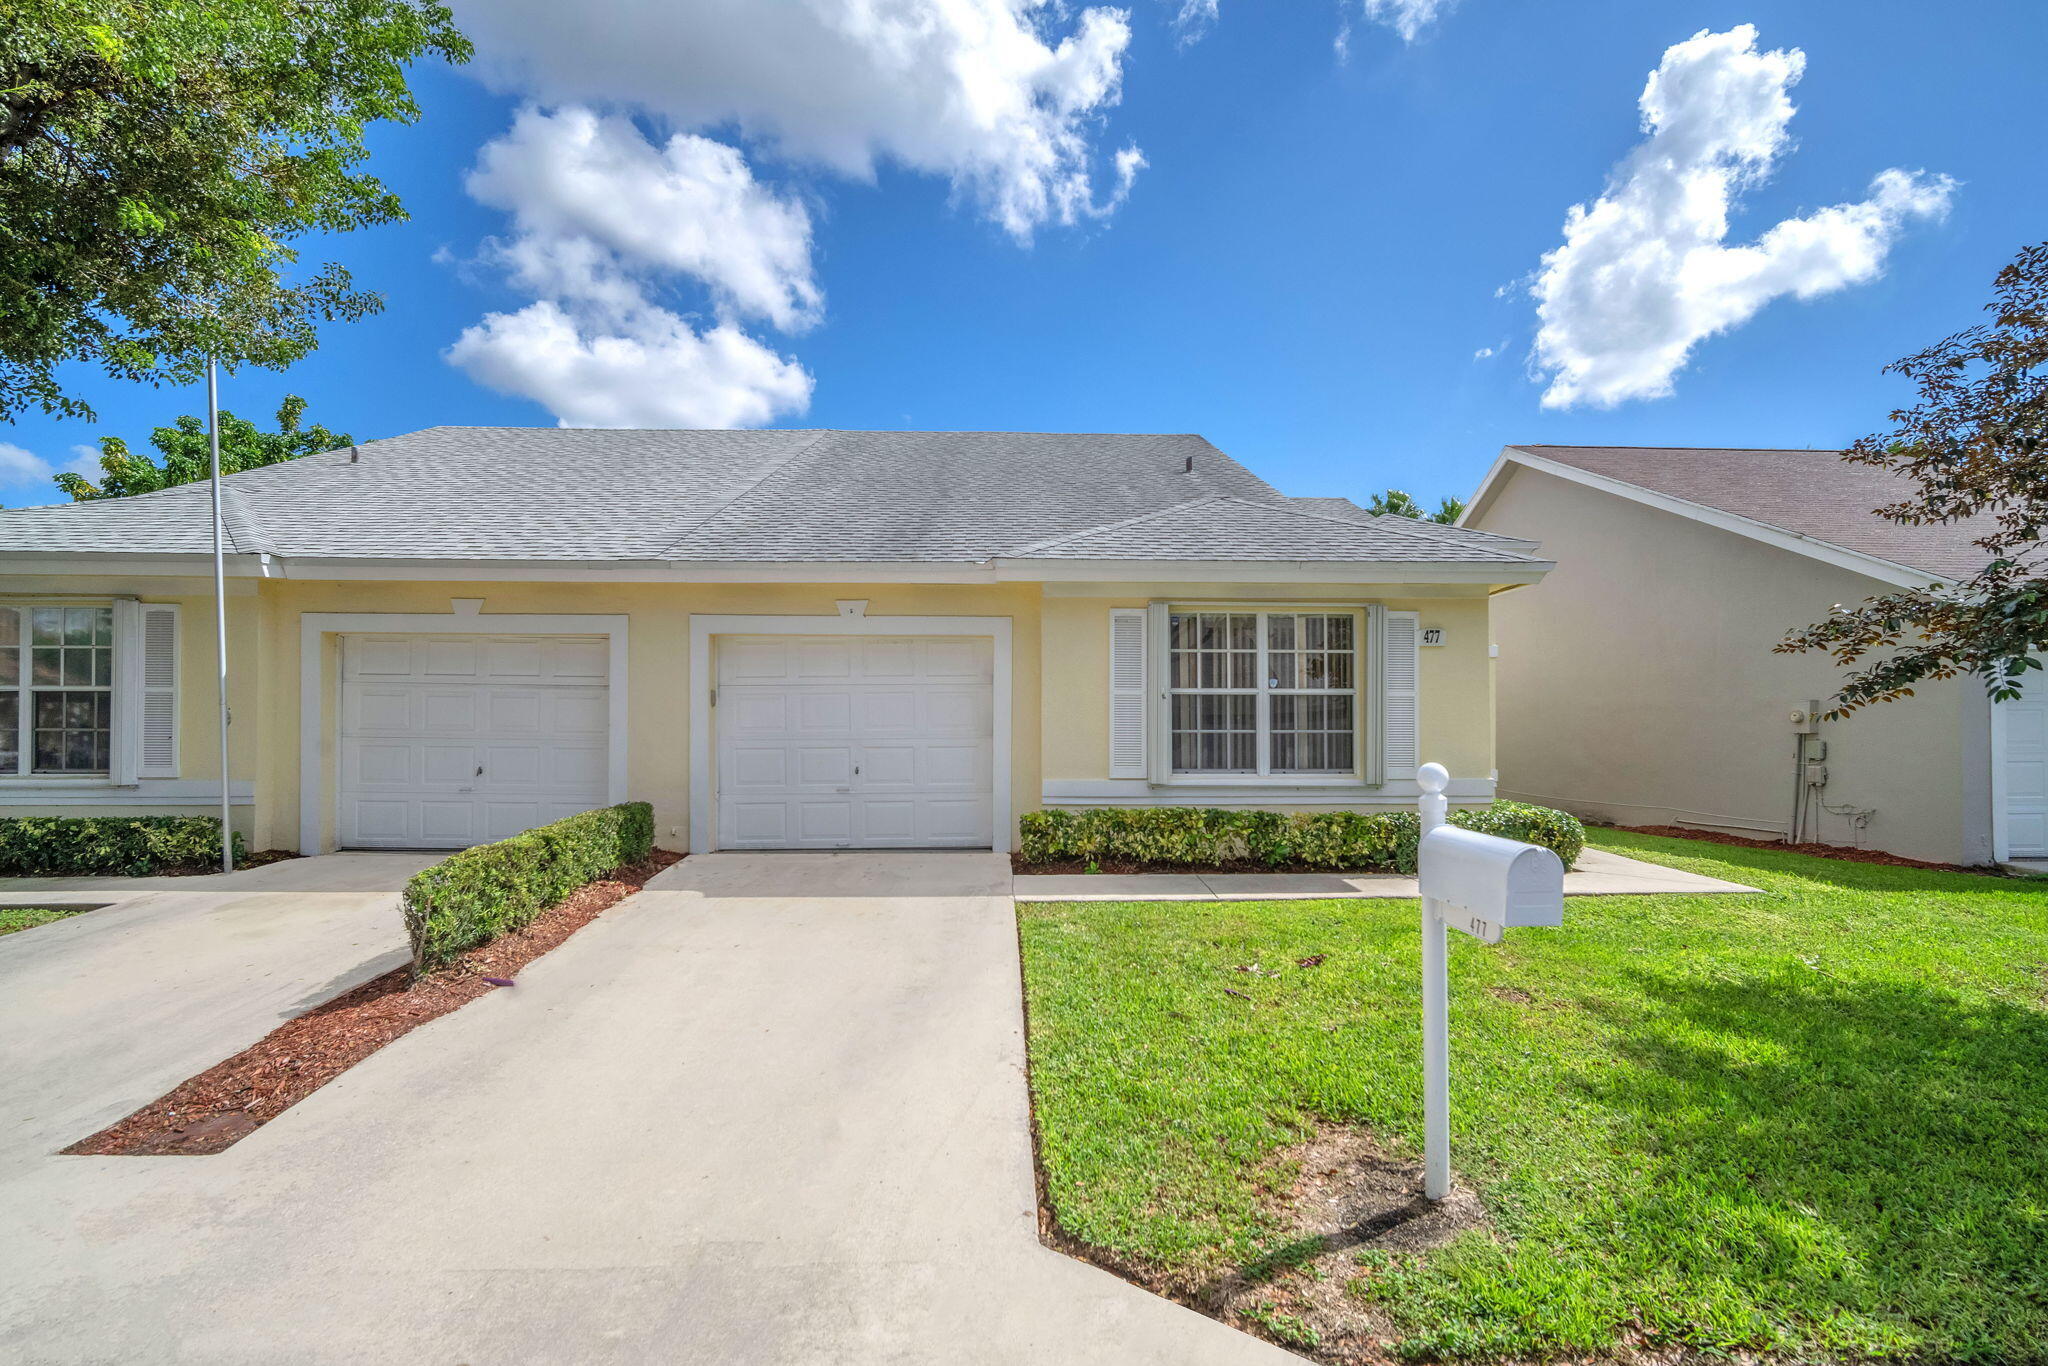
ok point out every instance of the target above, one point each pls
(1120, 867)
(1840, 851)
(231, 1100)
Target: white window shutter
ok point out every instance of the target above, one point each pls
(1400, 696)
(1127, 728)
(159, 703)
(126, 757)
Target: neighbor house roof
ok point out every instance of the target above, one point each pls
(1811, 494)
(680, 496)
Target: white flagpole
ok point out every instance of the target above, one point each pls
(220, 611)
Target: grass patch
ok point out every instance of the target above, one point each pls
(13, 918)
(1812, 1122)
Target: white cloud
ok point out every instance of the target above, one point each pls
(1002, 97)
(643, 367)
(1483, 353)
(1406, 17)
(593, 201)
(1194, 19)
(1644, 274)
(18, 463)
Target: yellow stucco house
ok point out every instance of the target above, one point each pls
(781, 639)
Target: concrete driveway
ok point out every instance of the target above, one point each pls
(770, 1110)
(106, 1011)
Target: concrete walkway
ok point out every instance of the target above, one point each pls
(1599, 872)
(106, 1011)
(771, 1110)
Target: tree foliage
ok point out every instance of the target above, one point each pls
(1394, 503)
(158, 159)
(1976, 444)
(187, 458)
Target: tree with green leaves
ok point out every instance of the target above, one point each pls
(187, 458)
(1394, 503)
(1976, 444)
(157, 160)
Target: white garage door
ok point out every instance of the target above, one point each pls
(838, 742)
(2025, 774)
(448, 741)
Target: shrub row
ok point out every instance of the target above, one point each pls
(110, 846)
(1171, 836)
(473, 896)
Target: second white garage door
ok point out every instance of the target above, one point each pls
(855, 742)
(448, 741)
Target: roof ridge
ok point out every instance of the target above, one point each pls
(1795, 450)
(1050, 541)
(817, 434)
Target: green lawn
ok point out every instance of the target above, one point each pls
(14, 918)
(1813, 1121)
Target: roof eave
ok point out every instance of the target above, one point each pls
(1798, 542)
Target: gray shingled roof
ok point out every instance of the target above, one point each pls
(600, 495)
(1813, 493)
(1241, 529)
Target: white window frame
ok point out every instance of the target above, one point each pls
(25, 689)
(1363, 691)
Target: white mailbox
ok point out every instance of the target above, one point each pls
(1483, 884)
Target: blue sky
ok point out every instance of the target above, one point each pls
(1303, 268)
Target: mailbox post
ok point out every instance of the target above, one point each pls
(1483, 885)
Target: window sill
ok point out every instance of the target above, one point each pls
(1257, 780)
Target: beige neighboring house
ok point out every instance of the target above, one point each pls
(781, 639)
(1637, 682)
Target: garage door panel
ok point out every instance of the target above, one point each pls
(854, 741)
(955, 711)
(761, 824)
(824, 766)
(422, 715)
(821, 660)
(752, 713)
(889, 822)
(755, 768)
(954, 659)
(956, 821)
(451, 712)
(824, 822)
(827, 711)
(889, 766)
(888, 710)
(884, 660)
(956, 766)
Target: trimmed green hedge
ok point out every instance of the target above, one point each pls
(110, 846)
(473, 896)
(1183, 835)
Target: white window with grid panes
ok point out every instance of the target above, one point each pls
(1265, 693)
(56, 690)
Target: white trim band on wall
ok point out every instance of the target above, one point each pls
(703, 794)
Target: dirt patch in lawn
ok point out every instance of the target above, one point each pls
(1840, 851)
(1120, 867)
(227, 1102)
(1345, 1208)
(1351, 1208)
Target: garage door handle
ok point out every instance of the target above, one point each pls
(479, 770)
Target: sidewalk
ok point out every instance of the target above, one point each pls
(1599, 872)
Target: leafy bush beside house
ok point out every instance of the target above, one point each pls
(477, 894)
(110, 846)
(1170, 836)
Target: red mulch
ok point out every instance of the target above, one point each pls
(1840, 851)
(230, 1100)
